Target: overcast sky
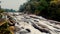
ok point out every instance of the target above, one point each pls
(12, 4)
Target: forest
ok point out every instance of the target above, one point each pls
(49, 9)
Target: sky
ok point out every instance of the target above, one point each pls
(12, 4)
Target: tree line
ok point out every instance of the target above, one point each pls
(49, 9)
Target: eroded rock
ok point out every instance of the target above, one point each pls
(32, 24)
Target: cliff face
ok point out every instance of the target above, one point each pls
(32, 24)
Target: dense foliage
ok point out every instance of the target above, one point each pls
(9, 10)
(4, 29)
(47, 8)
(1, 11)
(3, 24)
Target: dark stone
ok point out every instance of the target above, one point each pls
(28, 30)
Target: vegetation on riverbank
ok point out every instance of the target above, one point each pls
(5, 28)
(49, 9)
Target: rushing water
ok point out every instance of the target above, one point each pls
(32, 24)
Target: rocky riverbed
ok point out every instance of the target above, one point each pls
(32, 24)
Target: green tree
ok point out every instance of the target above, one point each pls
(49, 9)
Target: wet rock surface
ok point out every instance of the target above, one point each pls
(32, 24)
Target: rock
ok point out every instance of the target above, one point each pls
(2, 21)
(11, 29)
(32, 24)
